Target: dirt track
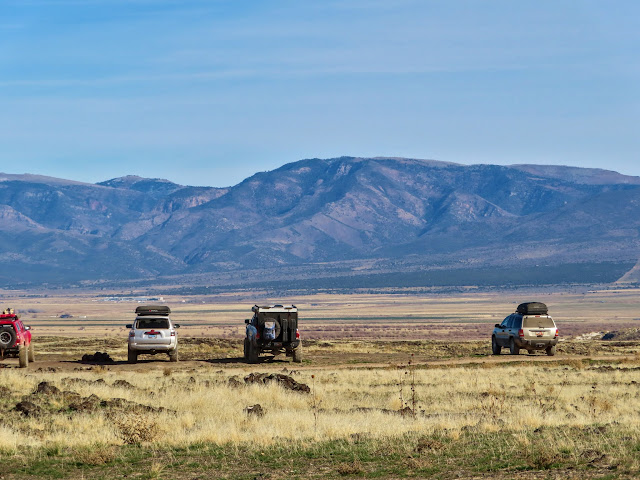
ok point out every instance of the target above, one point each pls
(278, 363)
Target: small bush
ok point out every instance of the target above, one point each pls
(136, 429)
(351, 468)
(95, 455)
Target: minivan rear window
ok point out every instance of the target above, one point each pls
(538, 322)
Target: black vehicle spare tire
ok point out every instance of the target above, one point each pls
(278, 328)
(7, 337)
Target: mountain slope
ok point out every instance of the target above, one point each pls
(350, 212)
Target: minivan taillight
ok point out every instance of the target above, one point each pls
(297, 334)
(521, 333)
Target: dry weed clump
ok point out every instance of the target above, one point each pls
(135, 429)
(95, 455)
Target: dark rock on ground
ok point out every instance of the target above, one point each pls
(28, 409)
(98, 357)
(86, 404)
(255, 410)
(48, 370)
(123, 384)
(628, 334)
(283, 380)
(46, 388)
(234, 382)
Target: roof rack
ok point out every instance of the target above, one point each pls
(256, 308)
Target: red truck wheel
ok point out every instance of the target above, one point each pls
(23, 358)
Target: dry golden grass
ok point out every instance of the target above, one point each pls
(201, 406)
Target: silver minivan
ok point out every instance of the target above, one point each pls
(528, 332)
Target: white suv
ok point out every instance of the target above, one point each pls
(153, 332)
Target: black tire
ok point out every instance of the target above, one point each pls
(252, 352)
(32, 354)
(7, 337)
(132, 356)
(513, 348)
(551, 350)
(23, 357)
(495, 348)
(297, 353)
(173, 355)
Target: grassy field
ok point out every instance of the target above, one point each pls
(574, 417)
(399, 387)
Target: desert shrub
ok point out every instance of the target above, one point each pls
(350, 468)
(95, 455)
(599, 404)
(136, 429)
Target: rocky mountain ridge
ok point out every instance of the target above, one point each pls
(351, 215)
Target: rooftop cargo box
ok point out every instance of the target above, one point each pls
(144, 310)
(532, 308)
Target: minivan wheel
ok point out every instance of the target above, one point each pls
(495, 348)
(513, 348)
(551, 351)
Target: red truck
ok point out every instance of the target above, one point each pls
(15, 339)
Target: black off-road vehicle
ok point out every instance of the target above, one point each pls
(273, 329)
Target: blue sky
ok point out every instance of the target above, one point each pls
(207, 92)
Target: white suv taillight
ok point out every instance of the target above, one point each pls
(173, 333)
(557, 333)
(521, 333)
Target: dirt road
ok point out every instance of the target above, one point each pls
(278, 363)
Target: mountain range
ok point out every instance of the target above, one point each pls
(321, 218)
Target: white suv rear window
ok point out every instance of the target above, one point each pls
(153, 323)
